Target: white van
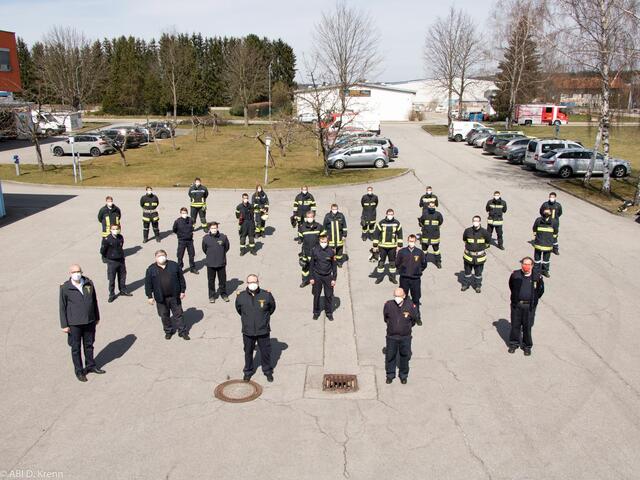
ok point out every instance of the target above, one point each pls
(458, 130)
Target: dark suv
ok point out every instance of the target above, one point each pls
(161, 129)
(117, 136)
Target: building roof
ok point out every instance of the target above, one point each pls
(362, 85)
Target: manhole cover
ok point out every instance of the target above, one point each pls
(339, 383)
(237, 391)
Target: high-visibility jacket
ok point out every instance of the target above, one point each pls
(260, 202)
(388, 234)
(546, 232)
(107, 217)
(426, 199)
(303, 203)
(476, 243)
(198, 196)
(496, 210)
(335, 228)
(555, 207)
(309, 235)
(430, 225)
(149, 204)
(369, 205)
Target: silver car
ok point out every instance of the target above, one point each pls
(359, 156)
(87, 144)
(567, 162)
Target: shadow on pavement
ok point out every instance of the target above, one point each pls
(23, 205)
(132, 250)
(503, 327)
(115, 350)
(192, 316)
(276, 352)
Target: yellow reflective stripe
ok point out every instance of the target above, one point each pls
(545, 229)
(542, 248)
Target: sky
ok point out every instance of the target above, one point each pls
(402, 24)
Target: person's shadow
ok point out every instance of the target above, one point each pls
(233, 284)
(115, 350)
(135, 285)
(461, 279)
(276, 352)
(268, 231)
(191, 316)
(503, 327)
(336, 302)
(132, 250)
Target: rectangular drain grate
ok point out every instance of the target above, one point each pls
(339, 383)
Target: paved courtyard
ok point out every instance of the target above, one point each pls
(469, 411)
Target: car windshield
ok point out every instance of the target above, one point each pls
(549, 154)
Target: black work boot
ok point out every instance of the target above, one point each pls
(243, 251)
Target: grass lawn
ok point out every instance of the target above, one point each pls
(437, 130)
(225, 160)
(621, 190)
(594, 117)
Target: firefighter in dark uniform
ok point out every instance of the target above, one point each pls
(255, 307)
(556, 212)
(150, 216)
(183, 228)
(496, 208)
(324, 273)
(198, 194)
(246, 226)
(526, 288)
(335, 228)
(260, 204)
(79, 316)
(109, 215)
(476, 241)
(215, 246)
(387, 240)
(369, 203)
(411, 262)
(303, 203)
(427, 198)
(545, 230)
(308, 236)
(112, 251)
(400, 315)
(430, 222)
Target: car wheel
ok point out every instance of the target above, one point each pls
(565, 172)
(338, 164)
(95, 152)
(379, 163)
(58, 151)
(164, 135)
(457, 138)
(619, 171)
(528, 123)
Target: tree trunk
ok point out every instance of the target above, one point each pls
(449, 107)
(592, 162)
(173, 138)
(36, 143)
(246, 116)
(636, 198)
(606, 174)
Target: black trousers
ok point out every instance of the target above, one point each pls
(82, 336)
(412, 288)
(322, 282)
(221, 273)
(477, 273)
(260, 224)
(264, 344)
(369, 224)
(148, 222)
(202, 211)
(247, 229)
(542, 260)
(188, 246)
(498, 229)
(387, 253)
(434, 243)
(398, 354)
(171, 305)
(339, 249)
(522, 318)
(119, 269)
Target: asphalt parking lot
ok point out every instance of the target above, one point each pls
(469, 411)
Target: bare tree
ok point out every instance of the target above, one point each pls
(245, 75)
(284, 132)
(467, 58)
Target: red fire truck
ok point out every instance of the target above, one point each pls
(540, 114)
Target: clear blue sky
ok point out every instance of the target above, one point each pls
(401, 23)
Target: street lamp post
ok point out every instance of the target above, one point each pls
(267, 142)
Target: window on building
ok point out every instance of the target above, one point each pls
(5, 62)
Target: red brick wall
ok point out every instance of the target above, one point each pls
(10, 81)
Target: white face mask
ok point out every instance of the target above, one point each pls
(308, 220)
(334, 211)
(398, 300)
(184, 215)
(115, 232)
(412, 244)
(323, 244)
(428, 192)
(149, 192)
(245, 200)
(253, 286)
(214, 231)
(161, 259)
(109, 204)
(389, 217)
(259, 190)
(496, 197)
(370, 192)
(552, 200)
(76, 276)
(197, 184)
(476, 224)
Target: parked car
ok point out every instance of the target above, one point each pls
(361, 156)
(480, 138)
(474, 132)
(161, 129)
(392, 150)
(116, 136)
(516, 156)
(458, 130)
(567, 162)
(496, 139)
(539, 146)
(307, 118)
(85, 144)
(503, 148)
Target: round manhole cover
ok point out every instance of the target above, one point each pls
(237, 391)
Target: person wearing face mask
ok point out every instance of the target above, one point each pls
(308, 237)
(335, 228)
(411, 262)
(303, 203)
(255, 307)
(215, 246)
(400, 315)
(260, 205)
(545, 231)
(109, 215)
(496, 208)
(198, 194)
(476, 241)
(165, 286)
(324, 273)
(387, 241)
(79, 316)
(246, 226)
(427, 198)
(556, 212)
(430, 222)
(526, 288)
(150, 217)
(369, 203)
(183, 228)
(112, 252)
